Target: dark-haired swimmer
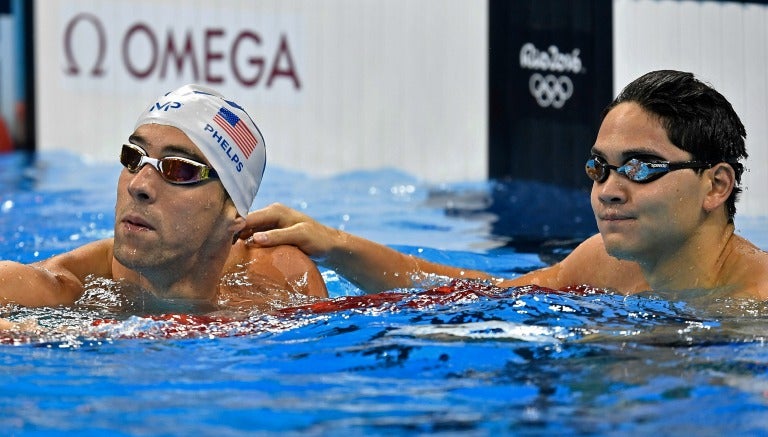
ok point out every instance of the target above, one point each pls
(193, 166)
(666, 173)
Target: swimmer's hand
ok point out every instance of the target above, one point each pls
(278, 225)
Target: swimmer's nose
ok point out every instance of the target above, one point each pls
(613, 189)
(143, 184)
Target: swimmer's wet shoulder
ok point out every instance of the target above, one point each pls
(589, 263)
(741, 271)
(744, 267)
(55, 281)
(284, 266)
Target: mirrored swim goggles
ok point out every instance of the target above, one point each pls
(636, 170)
(175, 170)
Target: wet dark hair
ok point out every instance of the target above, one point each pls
(696, 117)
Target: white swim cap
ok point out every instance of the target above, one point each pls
(222, 130)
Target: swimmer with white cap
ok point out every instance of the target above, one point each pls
(193, 166)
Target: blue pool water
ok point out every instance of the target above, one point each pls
(474, 361)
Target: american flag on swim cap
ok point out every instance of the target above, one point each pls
(236, 129)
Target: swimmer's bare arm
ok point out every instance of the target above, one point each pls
(374, 267)
(57, 280)
(371, 266)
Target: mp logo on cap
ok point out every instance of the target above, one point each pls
(165, 106)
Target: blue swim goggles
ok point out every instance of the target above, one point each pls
(636, 170)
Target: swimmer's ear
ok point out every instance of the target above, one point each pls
(237, 226)
(723, 179)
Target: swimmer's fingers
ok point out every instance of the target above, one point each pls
(278, 225)
(275, 216)
(296, 235)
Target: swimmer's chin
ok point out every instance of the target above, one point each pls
(620, 252)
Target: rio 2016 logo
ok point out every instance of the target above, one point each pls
(553, 88)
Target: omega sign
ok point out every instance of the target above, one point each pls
(213, 54)
(550, 84)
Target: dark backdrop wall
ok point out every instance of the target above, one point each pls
(550, 76)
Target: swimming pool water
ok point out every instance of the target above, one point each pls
(469, 361)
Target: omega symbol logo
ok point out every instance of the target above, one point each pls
(550, 90)
(73, 68)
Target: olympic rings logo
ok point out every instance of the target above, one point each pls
(550, 90)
